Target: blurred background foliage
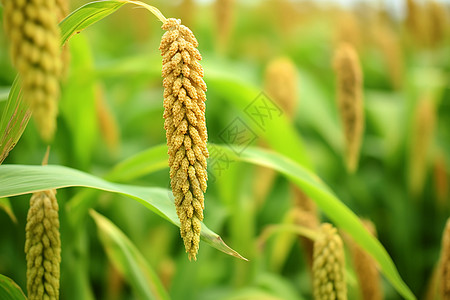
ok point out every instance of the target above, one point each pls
(111, 108)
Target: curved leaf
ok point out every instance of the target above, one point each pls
(312, 185)
(330, 205)
(20, 179)
(128, 260)
(9, 290)
(87, 15)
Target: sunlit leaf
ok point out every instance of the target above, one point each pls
(318, 191)
(87, 15)
(19, 179)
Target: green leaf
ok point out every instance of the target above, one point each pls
(16, 113)
(128, 260)
(9, 290)
(4, 92)
(315, 189)
(14, 120)
(145, 162)
(20, 179)
(5, 204)
(87, 15)
(77, 102)
(330, 205)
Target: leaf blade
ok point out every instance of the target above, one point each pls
(128, 260)
(9, 290)
(21, 179)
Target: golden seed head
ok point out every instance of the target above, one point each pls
(305, 215)
(62, 8)
(185, 124)
(43, 247)
(348, 30)
(389, 44)
(281, 84)
(437, 22)
(349, 99)
(329, 265)
(445, 263)
(187, 12)
(109, 129)
(224, 10)
(441, 180)
(35, 51)
(414, 19)
(366, 268)
(422, 134)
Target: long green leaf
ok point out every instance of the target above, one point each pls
(19, 179)
(16, 113)
(14, 120)
(4, 92)
(330, 205)
(9, 290)
(143, 163)
(87, 15)
(310, 184)
(128, 260)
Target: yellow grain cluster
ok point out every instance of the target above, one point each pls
(224, 10)
(329, 265)
(389, 44)
(109, 129)
(43, 247)
(366, 268)
(62, 8)
(415, 20)
(187, 12)
(348, 30)
(437, 22)
(305, 215)
(32, 28)
(422, 134)
(349, 99)
(184, 104)
(441, 180)
(280, 83)
(444, 282)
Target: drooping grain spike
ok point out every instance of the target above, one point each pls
(444, 282)
(43, 247)
(366, 268)
(305, 215)
(437, 22)
(280, 83)
(441, 180)
(389, 44)
(348, 30)
(422, 134)
(224, 10)
(32, 28)
(185, 127)
(329, 265)
(350, 102)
